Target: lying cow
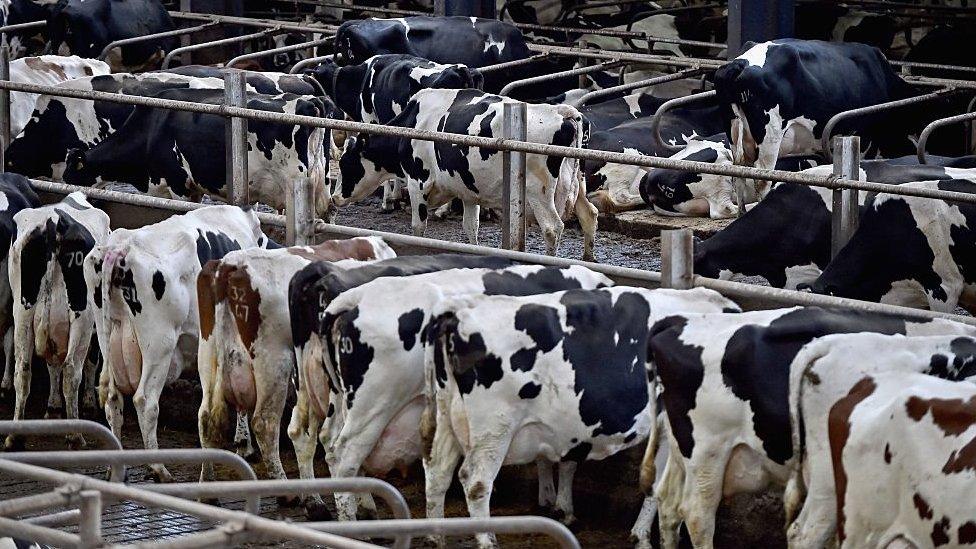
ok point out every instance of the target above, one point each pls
(47, 70)
(799, 216)
(245, 358)
(724, 382)
(514, 379)
(909, 251)
(823, 374)
(18, 194)
(143, 289)
(438, 172)
(52, 317)
(377, 374)
(310, 292)
(85, 27)
(161, 151)
(782, 93)
(924, 474)
(469, 41)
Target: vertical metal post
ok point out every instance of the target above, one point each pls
(236, 139)
(844, 214)
(584, 61)
(677, 259)
(513, 179)
(90, 523)
(4, 105)
(299, 216)
(757, 21)
(440, 7)
(738, 183)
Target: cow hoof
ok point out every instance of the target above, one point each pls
(589, 257)
(75, 441)
(288, 501)
(161, 477)
(317, 511)
(364, 513)
(54, 413)
(14, 443)
(561, 516)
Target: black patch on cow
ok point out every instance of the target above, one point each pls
(452, 158)
(214, 245)
(354, 356)
(629, 438)
(565, 136)
(472, 363)
(545, 280)
(34, 258)
(541, 323)
(97, 295)
(887, 453)
(681, 371)
(409, 326)
(75, 243)
(70, 201)
(756, 364)
(158, 285)
(331, 411)
(485, 130)
(123, 280)
(578, 453)
(530, 390)
(422, 211)
(606, 344)
(668, 188)
(940, 532)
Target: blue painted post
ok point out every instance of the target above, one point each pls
(758, 21)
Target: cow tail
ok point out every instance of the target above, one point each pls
(318, 171)
(648, 467)
(434, 335)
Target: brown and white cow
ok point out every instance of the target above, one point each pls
(51, 314)
(246, 358)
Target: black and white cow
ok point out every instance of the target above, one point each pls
(557, 376)
(52, 317)
(143, 290)
(468, 41)
(310, 292)
(724, 382)
(47, 70)
(170, 153)
(268, 83)
(823, 374)
(837, 23)
(375, 358)
(916, 252)
(16, 194)
(14, 12)
(924, 475)
(799, 216)
(613, 112)
(781, 94)
(85, 27)
(438, 172)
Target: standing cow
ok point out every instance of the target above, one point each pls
(438, 172)
(143, 289)
(52, 316)
(246, 359)
(47, 70)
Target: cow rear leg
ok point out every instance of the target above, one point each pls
(156, 365)
(470, 220)
(22, 382)
(549, 223)
(547, 489)
(588, 217)
(243, 444)
(72, 372)
(8, 364)
(640, 534)
(418, 209)
(477, 475)
(668, 496)
(55, 404)
(303, 431)
(89, 390)
(440, 462)
(345, 456)
(266, 422)
(564, 497)
(703, 495)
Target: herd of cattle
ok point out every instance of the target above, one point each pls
(478, 361)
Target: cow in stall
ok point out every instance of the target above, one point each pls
(60, 124)
(924, 475)
(15, 12)
(724, 383)
(915, 252)
(245, 358)
(469, 41)
(52, 317)
(377, 90)
(800, 216)
(143, 290)
(46, 70)
(510, 380)
(170, 153)
(310, 292)
(18, 194)
(823, 374)
(780, 94)
(375, 361)
(85, 27)
(833, 22)
(438, 172)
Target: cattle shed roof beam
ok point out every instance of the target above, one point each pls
(282, 49)
(497, 143)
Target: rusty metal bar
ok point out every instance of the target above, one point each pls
(938, 66)
(61, 496)
(556, 75)
(147, 37)
(282, 49)
(516, 63)
(845, 210)
(223, 41)
(677, 259)
(513, 179)
(309, 62)
(645, 58)
(680, 75)
(872, 109)
(923, 138)
(655, 128)
(252, 22)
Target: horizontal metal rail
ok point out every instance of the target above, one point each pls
(252, 22)
(557, 531)
(923, 138)
(145, 38)
(62, 496)
(359, 485)
(616, 33)
(516, 63)
(61, 518)
(872, 109)
(250, 523)
(680, 75)
(41, 534)
(282, 49)
(301, 65)
(644, 58)
(939, 66)
(45, 427)
(351, 7)
(670, 105)
(203, 45)
(497, 143)
(579, 71)
(22, 26)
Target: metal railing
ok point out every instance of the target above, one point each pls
(221, 42)
(965, 118)
(156, 36)
(646, 83)
(84, 427)
(282, 49)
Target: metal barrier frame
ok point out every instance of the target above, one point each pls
(282, 49)
(967, 117)
(232, 40)
(147, 37)
(671, 104)
(301, 65)
(579, 71)
(646, 83)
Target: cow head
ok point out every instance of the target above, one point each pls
(77, 170)
(676, 192)
(324, 74)
(361, 170)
